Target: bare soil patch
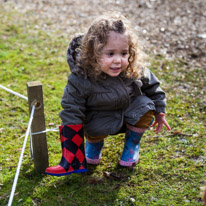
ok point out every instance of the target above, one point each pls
(173, 28)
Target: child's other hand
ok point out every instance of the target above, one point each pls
(160, 121)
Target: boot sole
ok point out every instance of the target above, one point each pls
(92, 161)
(128, 164)
(67, 173)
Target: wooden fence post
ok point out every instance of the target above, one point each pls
(40, 151)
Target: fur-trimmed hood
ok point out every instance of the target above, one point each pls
(72, 54)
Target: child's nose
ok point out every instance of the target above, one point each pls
(117, 59)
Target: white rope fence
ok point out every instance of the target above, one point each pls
(28, 132)
(15, 93)
(21, 157)
(45, 131)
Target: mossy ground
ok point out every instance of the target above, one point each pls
(172, 164)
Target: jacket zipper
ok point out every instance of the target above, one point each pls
(128, 97)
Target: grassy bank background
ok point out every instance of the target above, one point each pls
(172, 164)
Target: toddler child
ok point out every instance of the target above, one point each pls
(109, 91)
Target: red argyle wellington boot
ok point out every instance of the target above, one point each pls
(73, 157)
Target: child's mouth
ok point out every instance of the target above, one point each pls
(115, 69)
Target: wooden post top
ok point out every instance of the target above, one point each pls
(34, 83)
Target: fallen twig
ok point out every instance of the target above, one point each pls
(179, 133)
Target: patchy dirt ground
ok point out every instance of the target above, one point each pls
(174, 28)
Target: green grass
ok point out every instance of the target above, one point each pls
(172, 164)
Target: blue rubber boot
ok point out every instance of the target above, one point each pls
(130, 155)
(93, 152)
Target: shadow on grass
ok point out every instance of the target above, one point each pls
(91, 188)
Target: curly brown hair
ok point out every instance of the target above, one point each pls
(96, 38)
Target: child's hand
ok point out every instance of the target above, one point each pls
(160, 121)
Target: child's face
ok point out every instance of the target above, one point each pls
(114, 57)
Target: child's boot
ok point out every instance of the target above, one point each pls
(73, 157)
(93, 152)
(130, 155)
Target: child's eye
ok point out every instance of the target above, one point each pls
(110, 53)
(124, 53)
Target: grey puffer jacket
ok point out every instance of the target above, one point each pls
(104, 105)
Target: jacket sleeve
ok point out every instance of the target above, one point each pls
(151, 88)
(74, 101)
